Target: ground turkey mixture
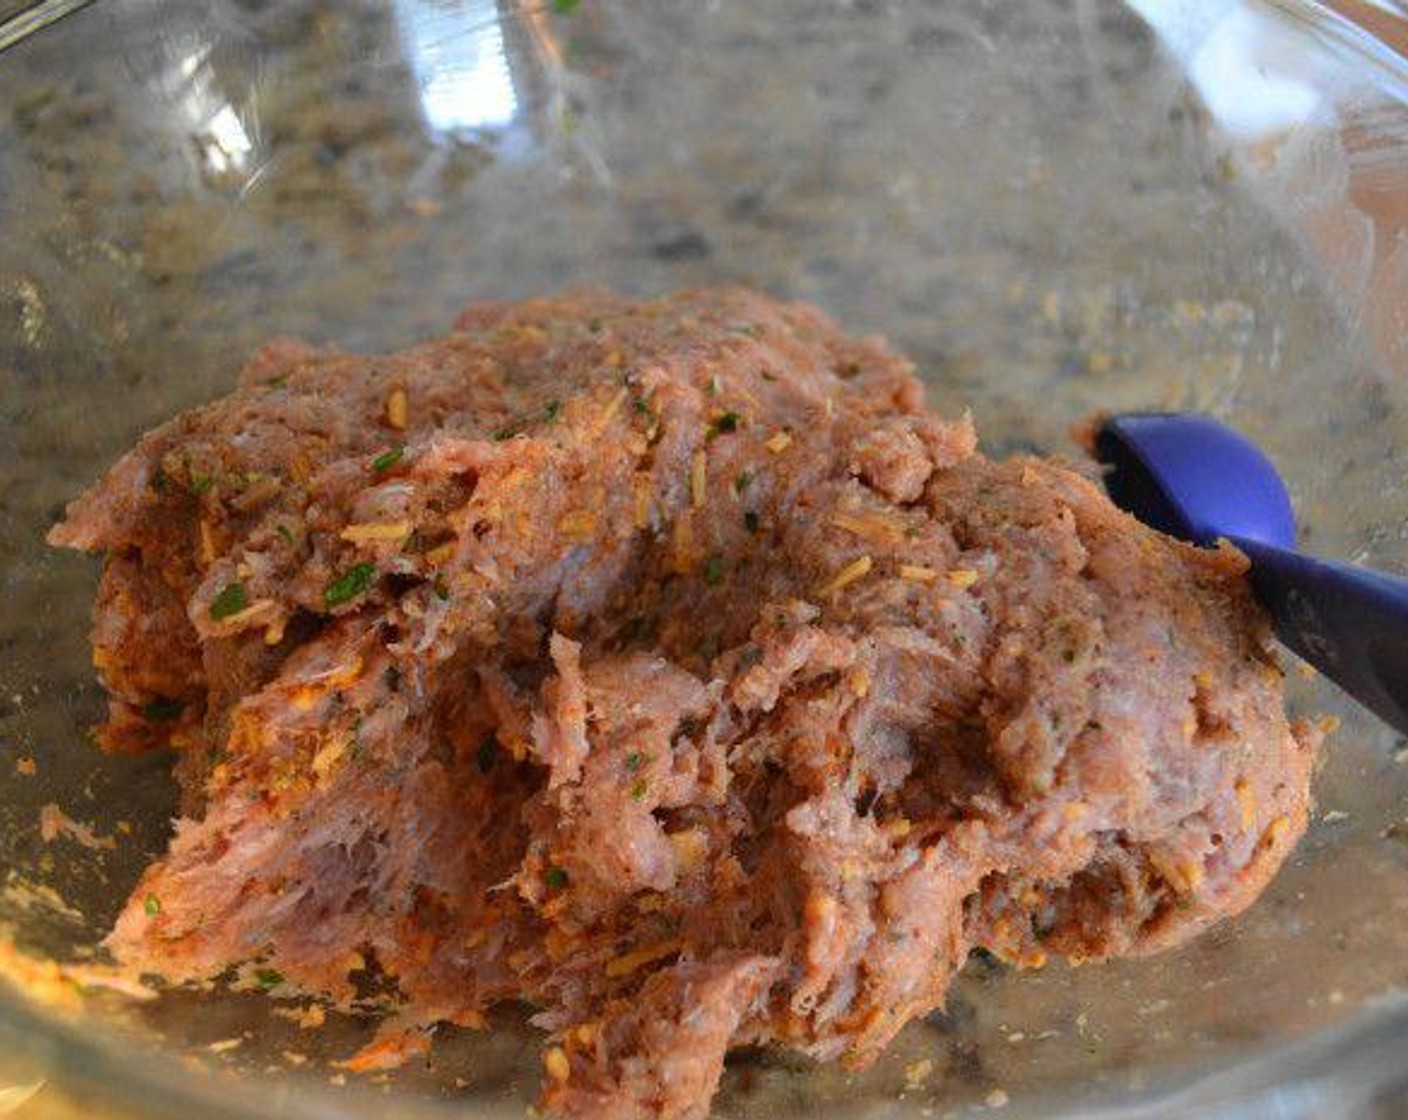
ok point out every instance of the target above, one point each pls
(671, 667)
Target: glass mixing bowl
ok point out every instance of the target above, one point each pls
(1055, 207)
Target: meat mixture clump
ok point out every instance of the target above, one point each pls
(671, 667)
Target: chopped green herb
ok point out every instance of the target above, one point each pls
(550, 413)
(286, 533)
(353, 582)
(728, 421)
(487, 752)
(162, 710)
(751, 521)
(151, 905)
(388, 459)
(200, 483)
(634, 761)
(912, 531)
(714, 571)
(230, 600)
(556, 878)
(565, 7)
(638, 790)
(161, 481)
(441, 589)
(713, 385)
(741, 483)
(277, 382)
(358, 748)
(641, 405)
(268, 978)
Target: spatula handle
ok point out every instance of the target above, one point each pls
(1350, 623)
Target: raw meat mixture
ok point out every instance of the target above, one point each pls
(671, 667)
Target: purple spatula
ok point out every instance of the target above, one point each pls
(1198, 480)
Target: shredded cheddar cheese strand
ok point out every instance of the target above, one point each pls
(846, 576)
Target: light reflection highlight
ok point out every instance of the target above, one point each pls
(226, 143)
(220, 134)
(1236, 58)
(457, 53)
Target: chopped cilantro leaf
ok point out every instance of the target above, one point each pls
(230, 600)
(728, 421)
(268, 978)
(388, 459)
(485, 755)
(551, 411)
(556, 878)
(751, 521)
(346, 587)
(151, 905)
(714, 571)
(161, 710)
(358, 748)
